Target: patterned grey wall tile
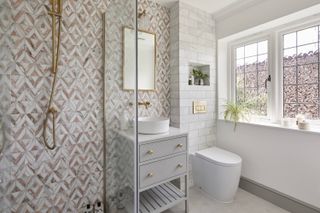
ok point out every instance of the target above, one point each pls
(36, 179)
(60, 180)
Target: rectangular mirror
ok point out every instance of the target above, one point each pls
(146, 60)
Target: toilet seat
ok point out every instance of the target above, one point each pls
(219, 156)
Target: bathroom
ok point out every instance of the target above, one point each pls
(160, 106)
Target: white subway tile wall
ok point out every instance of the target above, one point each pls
(192, 41)
(192, 37)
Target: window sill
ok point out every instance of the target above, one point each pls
(314, 129)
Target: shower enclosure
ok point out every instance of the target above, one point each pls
(120, 107)
(90, 168)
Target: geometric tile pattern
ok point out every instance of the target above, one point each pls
(34, 179)
(157, 20)
(119, 14)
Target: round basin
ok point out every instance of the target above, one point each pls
(153, 125)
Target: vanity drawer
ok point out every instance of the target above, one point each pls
(161, 170)
(162, 148)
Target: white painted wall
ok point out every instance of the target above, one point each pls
(285, 160)
(250, 16)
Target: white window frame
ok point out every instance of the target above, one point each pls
(232, 58)
(275, 59)
(280, 48)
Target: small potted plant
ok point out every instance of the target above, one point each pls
(199, 76)
(235, 112)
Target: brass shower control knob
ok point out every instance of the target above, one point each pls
(150, 152)
(150, 174)
(180, 145)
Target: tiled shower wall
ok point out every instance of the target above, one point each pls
(33, 178)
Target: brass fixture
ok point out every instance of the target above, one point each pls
(150, 174)
(146, 104)
(56, 14)
(142, 14)
(150, 152)
(180, 145)
(180, 165)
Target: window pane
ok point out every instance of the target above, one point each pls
(251, 50)
(289, 57)
(308, 54)
(301, 73)
(289, 110)
(263, 62)
(289, 40)
(290, 94)
(262, 103)
(308, 74)
(308, 36)
(262, 77)
(250, 88)
(251, 64)
(262, 47)
(240, 66)
(240, 95)
(240, 80)
(308, 93)
(289, 75)
(310, 110)
(240, 52)
(251, 79)
(250, 95)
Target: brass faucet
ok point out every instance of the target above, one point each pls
(146, 104)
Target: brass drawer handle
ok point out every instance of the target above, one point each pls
(180, 165)
(150, 174)
(180, 145)
(150, 152)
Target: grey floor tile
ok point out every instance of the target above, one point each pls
(244, 202)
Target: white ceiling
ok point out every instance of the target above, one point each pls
(210, 6)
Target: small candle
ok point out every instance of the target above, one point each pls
(300, 118)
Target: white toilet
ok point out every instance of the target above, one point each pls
(217, 172)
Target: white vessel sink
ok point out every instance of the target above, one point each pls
(153, 125)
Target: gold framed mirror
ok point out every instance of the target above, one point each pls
(146, 60)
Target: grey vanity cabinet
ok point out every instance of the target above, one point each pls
(161, 161)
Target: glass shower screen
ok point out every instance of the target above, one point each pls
(120, 108)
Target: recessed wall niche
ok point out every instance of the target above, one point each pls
(204, 70)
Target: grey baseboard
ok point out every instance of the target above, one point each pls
(277, 198)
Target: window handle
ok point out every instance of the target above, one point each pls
(266, 82)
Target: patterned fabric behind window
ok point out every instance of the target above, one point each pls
(301, 73)
(251, 74)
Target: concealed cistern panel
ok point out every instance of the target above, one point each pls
(199, 107)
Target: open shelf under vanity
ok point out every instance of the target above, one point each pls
(160, 198)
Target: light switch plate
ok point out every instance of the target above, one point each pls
(199, 107)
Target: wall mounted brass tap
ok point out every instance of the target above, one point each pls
(146, 104)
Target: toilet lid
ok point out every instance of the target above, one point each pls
(219, 156)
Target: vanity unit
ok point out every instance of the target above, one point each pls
(162, 164)
(162, 159)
